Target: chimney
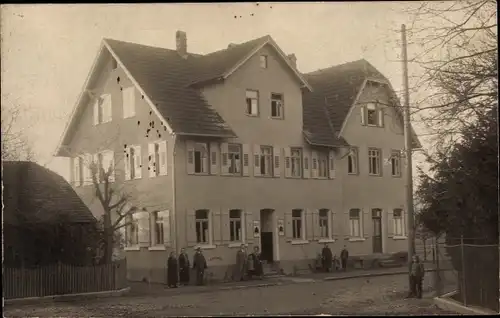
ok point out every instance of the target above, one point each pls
(231, 45)
(293, 60)
(181, 43)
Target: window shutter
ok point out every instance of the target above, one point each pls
(109, 164)
(190, 156)
(214, 158)
(347, 227)
(288, 226)
(390, 223)
(366, 222)
(94, 168)
(246, 159)
(331, 164)
(224, 221)
(163, 158)
(96, 111)
(333, 226)
(308, 217)
(127, 163)
(314, 164)
(224, 158)
(151, 160)
(138, 162)
(143, 222)
(277, 161)
(76, 169)
(167, 236)
(190, 228)
(288, 162)
(216, 226)
(363, 115)
(306, 164)
(256, 160)
(381, 116)
(247, 227)
(315, 224)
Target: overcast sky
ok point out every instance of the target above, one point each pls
(47, 50)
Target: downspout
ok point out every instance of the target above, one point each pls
(174, 207)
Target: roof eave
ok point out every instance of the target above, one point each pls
(222, 135)
(320, 144)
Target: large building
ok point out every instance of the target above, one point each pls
(237, 146)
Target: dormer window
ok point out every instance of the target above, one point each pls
(372, 114)
(263, 61)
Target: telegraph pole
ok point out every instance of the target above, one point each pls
(408, 153)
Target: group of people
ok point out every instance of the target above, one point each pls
(328, 260)
(248, 265)
(178, 269)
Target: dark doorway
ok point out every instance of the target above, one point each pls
(377, 230)
(266, 243)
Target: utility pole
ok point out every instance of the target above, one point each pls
(408, 153)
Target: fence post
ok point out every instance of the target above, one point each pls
(464, 292)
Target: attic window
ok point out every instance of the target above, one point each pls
(114, 64)
(371, 111)
(263, 61)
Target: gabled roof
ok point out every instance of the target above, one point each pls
(36, 194)
(335, 90)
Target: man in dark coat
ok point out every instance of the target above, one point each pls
(255, 264)
(241, 262)
(416, 277)
(172, 271)
(327, 258)
(344, 255)
(199, 265)
(184, 267)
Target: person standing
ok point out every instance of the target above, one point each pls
(184, 267)
(172, 271)
(344, 256)
(326, 258)
(241, 262)
(255, 264)
(199, 265)
(416, 277)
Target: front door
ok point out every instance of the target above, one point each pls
(377, 234)
(266, 243)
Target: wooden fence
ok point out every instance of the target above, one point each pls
(61, 279)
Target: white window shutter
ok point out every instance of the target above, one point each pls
(87, 160)
(108, 108)
(166, 226)
(381, 117)
(138, 162)
(214, 158)
(347, 225)
(224, 158)
(246, 159)
(163, 158)
(365, 222)
(277, 161)
(306, 164)
(152, 164)
(314, 164)
(76, 169)
(96, 111)
(95, 166)
(390, 223)
(109, 164)
(128, 102)
(309, 220)
(127, 163)
(331, 164)
(256, 160)
(288, 162)
(363, 112)
(190, 156)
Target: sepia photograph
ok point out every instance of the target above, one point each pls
(250, 159)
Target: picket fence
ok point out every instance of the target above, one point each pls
(62, 279)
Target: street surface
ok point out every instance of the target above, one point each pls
(383, 295)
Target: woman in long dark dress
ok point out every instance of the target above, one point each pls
(184, 267)
(172, 271)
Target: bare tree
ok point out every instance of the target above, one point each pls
(15, 145)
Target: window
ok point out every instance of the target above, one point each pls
(252, 99)
(352, 162)
(371, 112)
(396, 164)
(234, 156)
(201, 162)
(102, 110)
(324, 228)
(297, 224)
(128, 95)
(132, 158)
(374, 162)
(100, 168)
(159, 233)
(104, 166)
(355, 222)
(78, 177)
(133, 163)
(322, 164)
(202, 227)
(235, 228)
(276, 105)
(131, 231)
(266, 161)
(263, 61)
(397, 215)
(296, 157)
